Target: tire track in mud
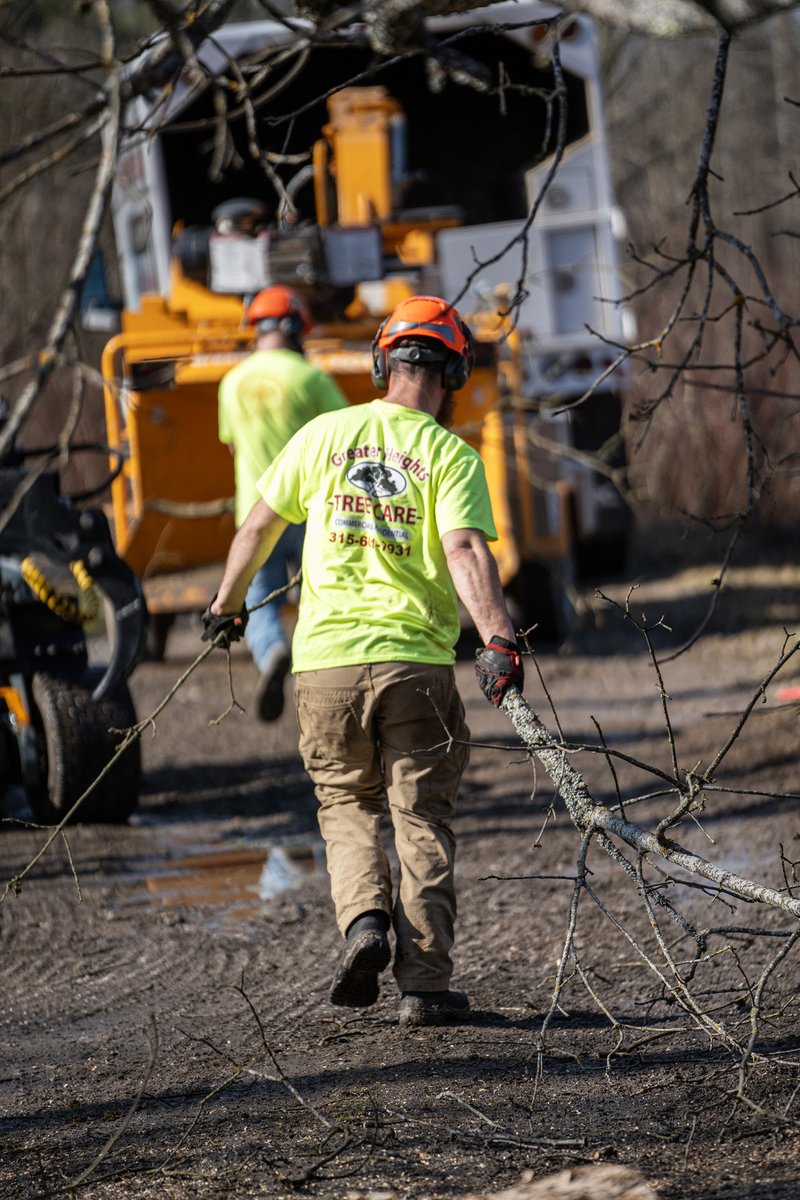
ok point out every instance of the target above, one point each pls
(102, 962)
(87, 1009)
(108, 959)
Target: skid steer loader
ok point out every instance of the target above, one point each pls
(61, 714)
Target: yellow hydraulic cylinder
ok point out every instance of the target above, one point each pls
(359, 134)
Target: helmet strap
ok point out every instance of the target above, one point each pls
(423, 356)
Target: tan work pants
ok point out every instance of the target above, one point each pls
(376, 739)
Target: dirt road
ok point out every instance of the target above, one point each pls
(165, 1024)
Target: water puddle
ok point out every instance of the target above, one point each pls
(239, 879)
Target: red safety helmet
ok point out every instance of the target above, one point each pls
(431, 318)
(280, 308)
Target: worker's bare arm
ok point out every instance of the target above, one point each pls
(476, 579)
(251, 547)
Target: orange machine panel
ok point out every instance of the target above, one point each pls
(181, 482)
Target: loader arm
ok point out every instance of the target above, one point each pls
(37, 520)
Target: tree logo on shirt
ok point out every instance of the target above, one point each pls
(377, 480)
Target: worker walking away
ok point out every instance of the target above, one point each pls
(398, 517)
(263, 401)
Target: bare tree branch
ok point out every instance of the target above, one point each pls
(589, 816)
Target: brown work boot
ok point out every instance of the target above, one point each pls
(365, 955)
(432, 1008)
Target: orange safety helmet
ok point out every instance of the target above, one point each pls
(424, 317)
(280, 308)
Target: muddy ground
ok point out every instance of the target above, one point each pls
(165, 1027)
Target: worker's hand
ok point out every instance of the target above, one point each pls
(498, 667)
(230, 625)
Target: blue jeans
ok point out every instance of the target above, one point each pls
(265, 628)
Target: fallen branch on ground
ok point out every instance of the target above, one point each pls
(589, 816)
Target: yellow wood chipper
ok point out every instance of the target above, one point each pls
(358, 183)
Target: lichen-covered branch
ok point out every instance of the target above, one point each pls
(588, 815)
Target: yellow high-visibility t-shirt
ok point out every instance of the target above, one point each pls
(378, 485)
(263, 400)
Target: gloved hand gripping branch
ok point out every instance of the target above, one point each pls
(230, 625)
(498, 667)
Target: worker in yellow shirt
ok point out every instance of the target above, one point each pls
(263, 401)
(397, 516)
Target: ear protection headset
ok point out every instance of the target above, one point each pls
(290, 326)
(430, 318)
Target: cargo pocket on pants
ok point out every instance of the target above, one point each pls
(333, 741)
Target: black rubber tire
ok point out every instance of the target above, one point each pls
(156, 636)
(602, 557)
(535, 597)
(78, 736)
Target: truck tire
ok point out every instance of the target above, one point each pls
(159, 625)
(536, 597)
(77, 736)
(601, 557)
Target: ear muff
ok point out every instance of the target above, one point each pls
(292, 325)
(380, 361)
(287, 326)
(455, 373)
(458, 367)
(298, 320)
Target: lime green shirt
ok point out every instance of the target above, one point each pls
(263, 400)
(378, 485)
